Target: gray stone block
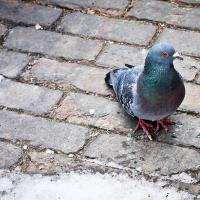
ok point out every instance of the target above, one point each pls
(27, 97)
(186, 42)
(95, 111)
(108, 28)
(9, 154)
(42, 132)
(3, 30)
(149, 157)
(166, 12)
(18, 12)
(81, 76)
(53, 44)
(105, 4)
(11, 63)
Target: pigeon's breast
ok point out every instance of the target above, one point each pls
(162, 104)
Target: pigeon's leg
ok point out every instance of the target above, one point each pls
(163, 123)
(145, 127)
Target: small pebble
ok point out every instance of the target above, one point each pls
(49, 151)
(92, 111)
(25, 147)
(38, 27)
(71, 155)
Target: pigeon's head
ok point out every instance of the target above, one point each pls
(161, 55)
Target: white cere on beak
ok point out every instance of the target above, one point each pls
(177, 55)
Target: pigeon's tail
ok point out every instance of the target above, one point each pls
(108, 79)
(113, 75)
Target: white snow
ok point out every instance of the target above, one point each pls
(5, 184)
(76, 186)
(49, 151)
(92, 111)
(186, 178)
(25, 147)
(38, 27)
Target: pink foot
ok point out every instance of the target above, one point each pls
(163, 123)
(145, 127)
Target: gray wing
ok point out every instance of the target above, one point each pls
(125, 86)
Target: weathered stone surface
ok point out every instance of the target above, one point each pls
(53, 44)
(44, 163)
(11, 63)
(147, 156)
(111, 4)
(115, 55)
(17, 12)
(3, 30)
(186, 42)
(107, 28)
(96, 111)
(42, 132)
(186, 131)
(9, 154)
(191, 101)
(188, 68)
(190, 1)
(166, 12)
(198, 79)
(27, 97)
(83, 77)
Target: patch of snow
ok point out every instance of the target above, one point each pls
(92, 111)
(76, 186)
(38, 27)
(49, 151)
(183, 177)
(1, 78)
(5, 184)
(71, 155)
(139, 169)
(25, 147)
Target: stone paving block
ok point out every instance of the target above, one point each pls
(83, 77)
(191, 101)
(3, 30)
(166, 12)
(198, 79)
(115, 55)
(188, 68)
(9, 154)
(18, 12)
(149, 157)
(105, 4)
(96, 111)
(52, 44)
(27, 97)
(103, 113)
(42, 132)
(186, 42)
(107, 28)
(186, 131)
(195, 2)
(44, 163)
(11, 63)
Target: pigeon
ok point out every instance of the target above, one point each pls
(152, 91)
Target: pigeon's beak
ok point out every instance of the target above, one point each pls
(177, 56)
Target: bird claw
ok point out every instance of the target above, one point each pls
(163, 123)
(145, 127)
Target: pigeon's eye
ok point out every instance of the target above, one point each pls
(165, 54)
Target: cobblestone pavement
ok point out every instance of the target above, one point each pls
(56, 113)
